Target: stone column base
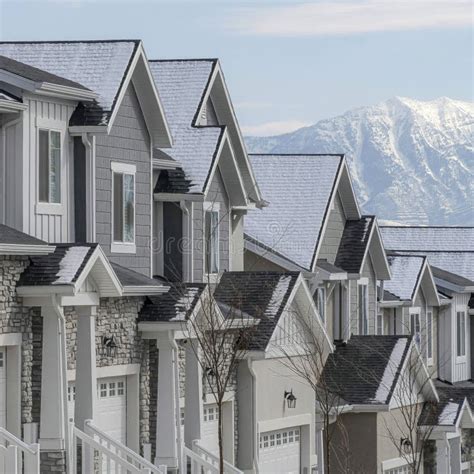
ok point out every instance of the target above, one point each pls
(53, 462)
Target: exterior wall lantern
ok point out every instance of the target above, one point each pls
(290, 399)
(109, 346)
(405, 445)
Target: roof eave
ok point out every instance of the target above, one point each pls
(20, 249)
(65, 92)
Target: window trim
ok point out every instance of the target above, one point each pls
(117, 246)
(381, 318)
(461, 358)
(323, 291)
(212, 207)
(365, 283)
(429, 337)
(46, 207)
(415, 311)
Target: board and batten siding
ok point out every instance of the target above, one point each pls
(462, 366)
(21, 170)
(128, 142)
(333, 233)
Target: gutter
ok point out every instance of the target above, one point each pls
(144, 290)
(25, 249)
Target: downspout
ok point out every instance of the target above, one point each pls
(254, 415)
(177, 415)
(89, 143)
(62, 335)
(185, 210)
(340, 311)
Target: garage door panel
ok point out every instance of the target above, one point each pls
(210, 428)
(279, 451)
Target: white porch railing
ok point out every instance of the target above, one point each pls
(201, 460)
(14, 452)
(103, 455)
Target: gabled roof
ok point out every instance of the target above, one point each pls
(406, 273)
(354, 243)
(366, 369)
(176, 305)
(14, 242)
(106, 68)
(299, 189)
(134, 283)
(448, 248)
(36, 75)
(185, 86)
(261, 295)
(452, 400)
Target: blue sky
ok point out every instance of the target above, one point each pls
(287, 63)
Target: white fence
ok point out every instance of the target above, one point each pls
(16, 456)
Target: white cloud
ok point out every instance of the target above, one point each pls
(346, 17)
(273, 128)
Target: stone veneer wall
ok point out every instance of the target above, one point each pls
(15, 318)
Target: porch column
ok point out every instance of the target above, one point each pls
(53, 410)
(442, 455)
(193, 409)
(86, 379)
(167, 451)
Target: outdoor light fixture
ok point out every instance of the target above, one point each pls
(209, 372)
(405, 445)
(109, 346)
(290, 399)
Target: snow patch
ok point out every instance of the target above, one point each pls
(278, 294)
(70, 264)
(449, 413)
(183, 304)
(388, 377)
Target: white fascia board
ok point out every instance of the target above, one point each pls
(162, 164)
(433, 283)
(65, 92)
(78, 130)
(44, 290)
(236, 166)
(144, 290)
(369, 408)
(11, 106)
(177, 197)
(269, 255)
(215, 161)
(453, 287)
(159, 326)
(394, 304)
(20, 249)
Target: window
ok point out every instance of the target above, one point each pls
(103, 390)
(212, 241)
(461, 333)
(379, 324)
(363, 308)
(429, 335)
(415, 327)
(49, 166)
(120, 388)
(320, 298)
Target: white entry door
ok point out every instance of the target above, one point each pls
(3, 387)
(280, 451)
(210, 428)
(112, 407)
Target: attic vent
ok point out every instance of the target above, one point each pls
(172, 181)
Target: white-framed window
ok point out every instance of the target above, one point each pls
(320, 297)
(363, 306)
(379, 324)
(49, 166)
(461, 333)
(415, 325)
(429, 337)
(211, 230)
(123, 208)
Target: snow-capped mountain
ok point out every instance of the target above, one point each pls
(411, 161)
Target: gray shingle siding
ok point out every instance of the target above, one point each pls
(128, 142)
(333, 234)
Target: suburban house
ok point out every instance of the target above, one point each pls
(313, 224)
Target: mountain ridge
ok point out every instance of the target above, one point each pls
(411, 161)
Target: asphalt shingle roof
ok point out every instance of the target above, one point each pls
(354, 242)
(62, 267)
(406, 272)
(261, 295)
(98, 65)
(175, 305)
(173, 181)
(13, 236)
(4, 95)
(451, 277)
(129, 277)
(34, 74)
(366, 369)
(451, 399)
(298, 188)
(182, 85)
(448, 248)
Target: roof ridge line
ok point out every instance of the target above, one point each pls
(341, 155)
(91, 41)
(170, 60)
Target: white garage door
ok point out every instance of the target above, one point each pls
(3, 387)
(111, 415)
(280, 451)
(210, 428)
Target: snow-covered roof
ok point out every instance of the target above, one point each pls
(98, 65)
(448, 248)
(182, 85)
(298, 189)
(406, 272)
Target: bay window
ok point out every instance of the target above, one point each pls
(49, 166)
(123, 207)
